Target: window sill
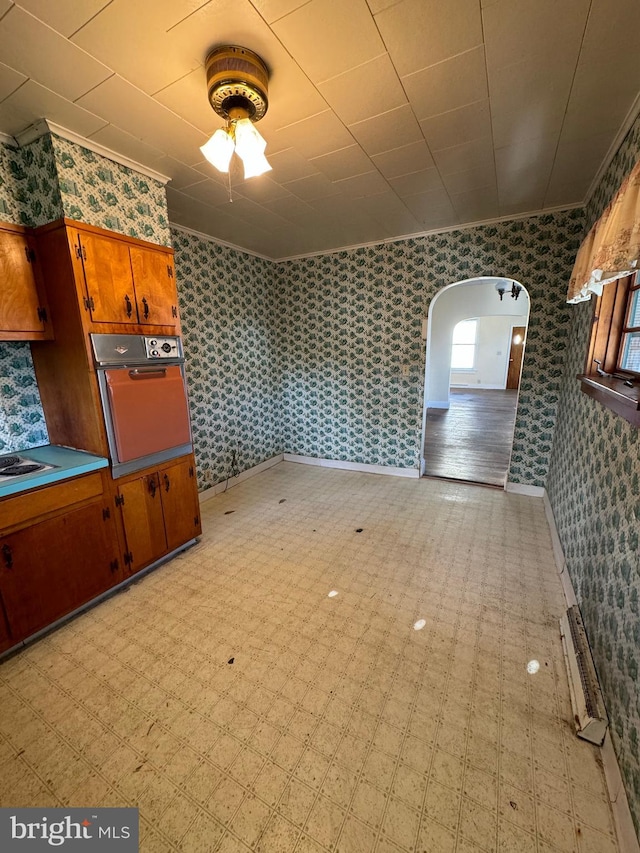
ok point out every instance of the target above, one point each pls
(613, 394)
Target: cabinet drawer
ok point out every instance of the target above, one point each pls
(20, 509)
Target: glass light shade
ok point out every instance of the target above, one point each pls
(219, 149)
(250, 148)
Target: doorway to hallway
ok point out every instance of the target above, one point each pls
(471, 440)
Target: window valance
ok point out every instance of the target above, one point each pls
(611, 249)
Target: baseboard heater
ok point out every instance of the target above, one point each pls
(589, 713)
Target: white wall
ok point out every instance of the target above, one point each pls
(477, 298)
(493, 343)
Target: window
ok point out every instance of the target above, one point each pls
(612, 371)
(463, 348)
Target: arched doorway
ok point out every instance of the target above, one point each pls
(476, 334)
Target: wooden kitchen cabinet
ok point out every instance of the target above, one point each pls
(159, 510)
(23, 308)
(58, 561)
(126, 283)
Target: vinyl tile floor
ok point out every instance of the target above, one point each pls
(241, 707)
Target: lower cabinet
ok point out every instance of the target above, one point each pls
(160, 512)
(54, 566)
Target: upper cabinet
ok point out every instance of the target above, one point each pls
(23, 308)
(126, 282)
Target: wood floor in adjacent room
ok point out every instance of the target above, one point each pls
(472, 439)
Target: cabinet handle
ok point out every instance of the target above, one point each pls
(167, 482)
(127, 302)
(152, 487)
(146, 307)
(8, 556)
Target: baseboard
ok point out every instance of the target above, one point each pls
(211, 492)
(522, 489)
(353, 466)
(438, 404)
(625, 830)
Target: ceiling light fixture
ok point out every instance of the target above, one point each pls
(237, 87)
(501, 287)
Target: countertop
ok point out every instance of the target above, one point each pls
(68, 463)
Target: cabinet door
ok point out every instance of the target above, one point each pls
(154, 280)
(51, 568)
(20, 309)
(143, 521)
(107, 271)
(180, 503)
(5, 638)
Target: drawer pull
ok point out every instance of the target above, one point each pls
(146, 308)
(167, 482)
(8, 556)
(128, 305)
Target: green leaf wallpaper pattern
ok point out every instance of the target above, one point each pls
(101, 192)
(594, 490)
(349, 320)
(228, 311)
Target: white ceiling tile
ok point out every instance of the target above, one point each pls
(132, 39)
(292, 96)
(187, 97)
(32, 102)
(132, 110)
(5, 5)
(608, 27)
(315, 135)
(379, 5)
(423, 181)
(534, 156)
(477, 154)
(320, 37)
(457, 126)
(65, 16)
(289, 165)
(566, 190)
(290, 208)
(519, 29)
(10, 80)
(522, 192)
(312, 187)
(343, 163)
(263, 189)
(602, 95)
(404, 161)
(34, 49)
(129, 146)
(180, 174)
(574, 167)
(419, 33)
(208, 191)
(432, 209)
(529, 99)
(272, 10)
(476, 204)
(387, 131)
(470, 179)
(360, 186)
(367, 90)
(452, 83)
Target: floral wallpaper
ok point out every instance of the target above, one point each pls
(22, 422)
(350, 321)
(594, 489)
(101, 192)
(228, 311)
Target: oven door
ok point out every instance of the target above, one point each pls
(146, 415)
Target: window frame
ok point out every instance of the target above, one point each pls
(474, 346)
(603, 379)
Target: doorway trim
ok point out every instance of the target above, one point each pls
(428, 323)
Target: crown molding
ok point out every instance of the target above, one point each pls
(44, 126)
(5, 139)
(209, 239)
(417, 234)
(626, 126)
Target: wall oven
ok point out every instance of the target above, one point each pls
(144, 399)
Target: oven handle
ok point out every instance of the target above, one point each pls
(147, 372)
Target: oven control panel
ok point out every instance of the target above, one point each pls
(166, 347)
